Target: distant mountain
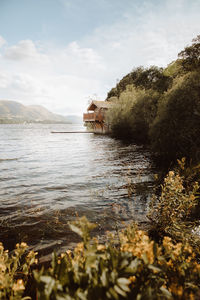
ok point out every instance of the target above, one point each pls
(15, 112)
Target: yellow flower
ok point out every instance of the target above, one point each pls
(132, 279)
(191, 296)
(1, 247)
(176, 289)
(79, 247)
(177, 250)
(171, 173)
(23, 245)
(18, 286)
(167, 243)
(101, 247)
(2, 267)
(197, 268)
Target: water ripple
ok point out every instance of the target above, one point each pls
(48, 179)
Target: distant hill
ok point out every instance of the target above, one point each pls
(15, 112)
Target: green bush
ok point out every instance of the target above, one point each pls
(119, 116)
(170, 122)
(14, 271)
(132, 114)
(142, 115)
(174, 206)
(175, 130)
(128, 266)
(163, 107)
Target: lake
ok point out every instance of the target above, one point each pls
(48, 179)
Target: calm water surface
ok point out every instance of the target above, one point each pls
(48, 179)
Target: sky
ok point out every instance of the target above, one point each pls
(63, 53)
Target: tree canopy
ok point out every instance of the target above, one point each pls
(191, 55)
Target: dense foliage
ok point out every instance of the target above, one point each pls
(149, 78)
(130, 267)
(174, 209)
(190, 56)
(15, 271)
(175, 131)
(162, 108)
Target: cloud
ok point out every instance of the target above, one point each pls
(27, 85)
(78, 61)
(63, 77)
(149, 33)
(25, 49)
(4, 80)
(2, 41)
(86, 55)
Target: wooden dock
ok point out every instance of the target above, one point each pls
(72, 131)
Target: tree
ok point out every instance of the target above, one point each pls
(191, 55)
(175, 131)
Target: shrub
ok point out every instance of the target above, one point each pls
(119, 116)
(14, 271)
(129, 266)
(175, 130)
(143, 114)
(175, 204)
(131, 116)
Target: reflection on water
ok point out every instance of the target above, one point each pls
(48, 179)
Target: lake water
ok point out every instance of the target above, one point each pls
(48, 179)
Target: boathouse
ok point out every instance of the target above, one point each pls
(95, 117)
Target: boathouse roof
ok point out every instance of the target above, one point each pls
(98, 104)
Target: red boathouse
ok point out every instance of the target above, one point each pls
(95, 116)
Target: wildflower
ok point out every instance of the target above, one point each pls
(167, 243)
(18, 286)
(31, 253)
(170, 263)
(171, 173)
(177, 250)
(101, 247)
(132, 279)
(1, 247)
(192, 297)
(2, 267)
(79, 247)
(23, 245)
(176, 289)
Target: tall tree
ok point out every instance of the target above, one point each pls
(191, 55)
